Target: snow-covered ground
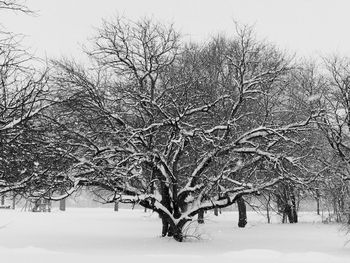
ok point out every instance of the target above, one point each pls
(101, 235)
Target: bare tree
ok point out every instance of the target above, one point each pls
(178, 129)
(23, 95)
(336, 128)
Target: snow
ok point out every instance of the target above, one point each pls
(102, 235)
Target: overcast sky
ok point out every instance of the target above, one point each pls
(307, 27)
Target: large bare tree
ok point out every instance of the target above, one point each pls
(176, 128)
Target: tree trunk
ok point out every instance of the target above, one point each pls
(14, 201)
(294, 209)
(216, 211)
(170, 229)
(242, 212)
(3, 200)
(287, 204)
(116, 206)
(289, 213)
(63, 205)
(268, 209)
(170, 202)
(200, 217)
(165, 226)
(295, 215)
(36, 206)
(284, 218)
(177, 231)
(317, 202)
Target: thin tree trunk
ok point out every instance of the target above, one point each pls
(268, 209)
(242, 212)
(295, 215)
(3, 200)
(294, 209)
(216, 211)
(318, 202)
(116, 206)
(284, 218)
(36, 206)
(200, 218)
(318, 206)
(14, 201)
(63, 205)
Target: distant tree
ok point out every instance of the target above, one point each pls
(336, 129)
(301, 98)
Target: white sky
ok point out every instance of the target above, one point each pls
(307, 27)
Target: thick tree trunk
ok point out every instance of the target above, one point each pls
(165, 227)
(170, 201)
(200, 218)
(287, 204)
(178, 231)
(170, 229)
(290, 213)
(242, 212)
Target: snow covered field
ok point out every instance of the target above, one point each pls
(101, 235)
